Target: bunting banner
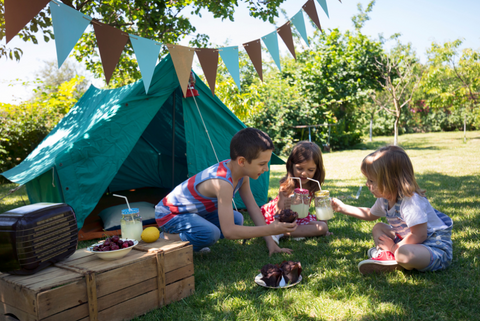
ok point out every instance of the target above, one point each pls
(68, 26)
(146, 52)
(271, 41)
(285, 32)
(230, 58)
(299, 23)
(18, 13)
(111, 42)
(182, 58)
(310, 9)
(323, 4)
(254, 51)
(209, 61)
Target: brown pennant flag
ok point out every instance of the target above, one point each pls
(209, 61)
(286, 33)
(254, 51)
(111, 42)
(18, 13)
(182, 58)
(309, 8)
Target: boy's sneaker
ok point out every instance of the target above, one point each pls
(204, 250)
(298, 238)
(381, 261)
(277, 238)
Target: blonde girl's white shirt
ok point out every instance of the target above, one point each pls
(413, 210)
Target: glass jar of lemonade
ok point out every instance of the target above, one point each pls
(323, 208)
(300, 202)
(131, 224)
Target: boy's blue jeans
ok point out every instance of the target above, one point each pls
(200, 231)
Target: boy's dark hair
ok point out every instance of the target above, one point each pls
(249, 143)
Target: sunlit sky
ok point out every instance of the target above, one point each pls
(420, 22)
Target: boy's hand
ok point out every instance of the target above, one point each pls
(274, 248)
(283, 228)
(337, 205)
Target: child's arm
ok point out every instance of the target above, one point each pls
(362, 213)
(418, 234)
(223, 192)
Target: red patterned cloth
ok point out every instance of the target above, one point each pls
(269, 209)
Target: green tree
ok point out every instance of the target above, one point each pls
(453, 79)
(160, 20)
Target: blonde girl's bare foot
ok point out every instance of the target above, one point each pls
(328, 233)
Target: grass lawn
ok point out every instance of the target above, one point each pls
(332, 288)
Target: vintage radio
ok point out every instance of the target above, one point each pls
(35, 236)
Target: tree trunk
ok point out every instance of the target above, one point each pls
(395, 137)
(465, 128)
(371, 126)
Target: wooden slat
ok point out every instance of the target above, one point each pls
(114, 280)
(21, 315)
(179, 274)
(161, 277)
(76, 313)
(126, 294)
(160, 245)
(178, 258)
(179, 290)
(92, 296)
(49, 274)
(59, 299)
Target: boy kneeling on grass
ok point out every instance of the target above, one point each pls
(417, 236)
(199, 210)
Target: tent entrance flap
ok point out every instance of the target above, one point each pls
(149, 164)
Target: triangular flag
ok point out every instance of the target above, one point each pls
(18, 13)
(254, 51)
(146, 52)
(323, 3)
(286, 33)
(182, 58)
(271, 41)
(68, 26)
(111, 42)
(209, 61)
(299, 23)
(230, 58)
(310, 9)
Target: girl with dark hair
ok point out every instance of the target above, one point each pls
(305, 161)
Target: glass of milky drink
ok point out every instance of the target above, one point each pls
(323, 208)
(131, 224)
(300, 202)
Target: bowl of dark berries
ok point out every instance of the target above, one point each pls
(112, 248)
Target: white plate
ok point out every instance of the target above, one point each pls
(112, 255)
(281, 285)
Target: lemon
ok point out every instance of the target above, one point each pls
(150, 234)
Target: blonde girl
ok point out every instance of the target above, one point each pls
(417, 236)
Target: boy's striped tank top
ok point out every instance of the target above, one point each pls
(185, 198)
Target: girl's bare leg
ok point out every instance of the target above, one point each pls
(316, 228)
(413, 256)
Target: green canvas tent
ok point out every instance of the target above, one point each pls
(122, 139)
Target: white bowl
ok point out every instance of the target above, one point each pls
(112, 255)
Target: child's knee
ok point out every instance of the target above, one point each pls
(237, 218)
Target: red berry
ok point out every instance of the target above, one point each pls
(130, 243)
(124, 245)
(120, 243)
(107, 242)
(114, 247)
(106, 248)
(115, 238)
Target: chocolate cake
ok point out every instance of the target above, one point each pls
(271, 275)
(291, 271)
(286, 216)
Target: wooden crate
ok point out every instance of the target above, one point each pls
(84, 287)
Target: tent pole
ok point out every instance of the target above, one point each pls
(173, 138)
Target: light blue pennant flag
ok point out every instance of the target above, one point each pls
(146, 51)
(299, 23)
(68, 26)
(230, 58)
(323, 4)
(271, 41)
